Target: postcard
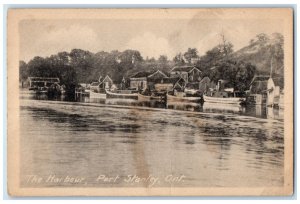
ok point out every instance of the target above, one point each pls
(150, 102)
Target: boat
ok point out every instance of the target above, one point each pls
(142, 97)
(228, 100)
(97, 95)
(171, 98)
(110, 94)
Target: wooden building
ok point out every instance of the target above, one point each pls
(258, 91)
(146, 80)
(170, 84)
(35, 82)
(273, 91)
(103, 84)
(188, 73)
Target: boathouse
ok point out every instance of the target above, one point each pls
(35, 82)
(102, 84)
(273, 91)
(139, 80)
(170, 84)
(154, 78)
(257, 93)
(188, 73)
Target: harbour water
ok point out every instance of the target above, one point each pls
(176, 145)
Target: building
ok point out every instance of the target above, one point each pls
(154, 78)
(170, 84)
(139, 81)
(35, 82)
(103, 84)
(188, 73)
(205, 84)
(273, 91)
(258, 91)
(144, 80)
(106, 83)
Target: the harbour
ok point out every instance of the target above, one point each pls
(209, 146)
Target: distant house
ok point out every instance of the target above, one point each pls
(258, 91)
(139, 80)
(144, 80)
(188, 73)
(42, 81)
(95, 86)
(273, 92)
(154, 78)
(205, 84)
(106, 83)
(170, 84)
(102, 84)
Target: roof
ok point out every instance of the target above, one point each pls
(141, 75)
(106, 78)
(186, 68)
(47, 79)
(278, 81)
(260, 78)
(156, 73)
(95, 84)
(171, 80)
(259, 86)
(205, 80)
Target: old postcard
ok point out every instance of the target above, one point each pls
(146, 102)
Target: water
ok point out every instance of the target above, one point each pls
(173, 145)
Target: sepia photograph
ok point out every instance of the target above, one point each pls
(150, 102)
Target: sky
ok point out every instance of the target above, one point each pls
(152, 37)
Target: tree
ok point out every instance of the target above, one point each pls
(23, 72)
(238, 74)
(178, 59)
(191, 53)
(163, 59)
(225, 47)
(262, 38)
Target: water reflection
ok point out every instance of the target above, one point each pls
(259, 111)
(107, 137)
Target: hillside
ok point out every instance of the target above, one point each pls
(260, 52)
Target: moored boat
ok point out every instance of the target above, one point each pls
(229, 100)
(142, 97)
(110, 94)
(171, 98)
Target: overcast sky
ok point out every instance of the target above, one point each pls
(151, 37)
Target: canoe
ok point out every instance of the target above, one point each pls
(97, 95)
(230, 100)
(142, 97)
(110, 94)
(171, 98)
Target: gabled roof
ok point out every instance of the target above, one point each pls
(172, 80)
(107, 78)
(141, 75)
(186, 68)
(260, 78)
(95, 84)
(205, 80)
(156, 73)
(259, 87)
(278, 81)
